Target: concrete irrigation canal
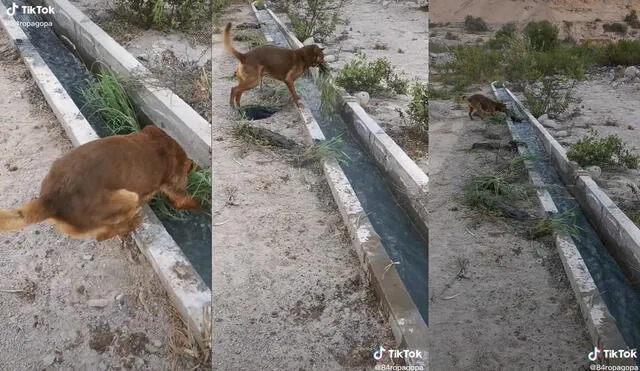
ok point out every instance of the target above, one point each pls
(401, 238)
(619, 295)
(62, 61)
(193, 232)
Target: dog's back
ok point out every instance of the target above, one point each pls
(482, 104)
(79, 183)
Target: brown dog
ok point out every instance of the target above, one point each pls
(482, 104)
(97, 189)
(282, 64)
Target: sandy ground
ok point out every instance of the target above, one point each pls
(514, 309)
(287, 292)
(181, 61)
(396, 31)
(80, 305)
(580, 19)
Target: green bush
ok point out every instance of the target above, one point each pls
(543, 35)
(551, 98)
(418, 110)
(624, 52)
(475, 24)
(473, 63)
(314, 18)
(502, 36)
(375, 77)
(603, 152)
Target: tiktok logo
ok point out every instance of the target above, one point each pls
(11, 11)
(592, 356)
(378, 354)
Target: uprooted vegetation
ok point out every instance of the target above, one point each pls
(166, 14)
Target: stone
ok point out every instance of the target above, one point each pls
(48, 360)
(309, 41)
(594, 171)
(544, 117)
(330, 58)
(88, 257)
(98, 303)
(362, 97)
(631, 72)
(552, 124)
(562, 134)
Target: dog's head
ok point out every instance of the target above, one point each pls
(313, 55)
(182, 164)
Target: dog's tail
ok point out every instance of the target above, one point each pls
(227, 44)
(30, 213)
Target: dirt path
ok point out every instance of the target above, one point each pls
(84, 305)
(514, 309)
(287, 290)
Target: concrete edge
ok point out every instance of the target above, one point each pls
(183, 284)
(612, 224)
(161, 105)
(408, 327)
(413, 182)
(600, 323)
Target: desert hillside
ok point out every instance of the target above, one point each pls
(502, 11)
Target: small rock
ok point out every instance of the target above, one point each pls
(17, 94)
(385, 4)
(88, 257)
(630, 127)
(562, 134)
(550, 124)
(362, 97)
(631, 72)
(156, 343)
(98, 303)
(48, 360)
(143, 57)
(330, 58)
(12, 168)
(594, 171)
(150, 348)
(544, 117)
(309, 41)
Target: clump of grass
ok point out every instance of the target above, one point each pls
(109, 99)
(472, 64)
(199, 185)
(562, 223)
(253, 37)
(619, 28)
(517, 165)
(552, 98)
(314, 18)
(488, 192)
(603, 152)
(328, 149)
(451, 36)
(217, 7)
(502, 36)
(475, 24)
(328, 93)
(375, 77)
(242, 130)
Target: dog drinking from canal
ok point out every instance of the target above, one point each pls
(97, 189)
(286, 65)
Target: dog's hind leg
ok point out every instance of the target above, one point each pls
(471, 112)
